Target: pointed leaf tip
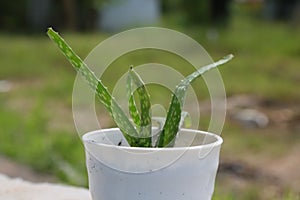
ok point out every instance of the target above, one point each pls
(229, 57)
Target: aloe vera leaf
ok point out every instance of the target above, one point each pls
(171, 126)
(133, 111)
(142, 119)
(103, 94)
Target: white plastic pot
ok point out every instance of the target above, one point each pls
(186, 171)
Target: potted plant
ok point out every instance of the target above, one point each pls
(138, 161)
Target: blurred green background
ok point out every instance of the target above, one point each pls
(260, 154)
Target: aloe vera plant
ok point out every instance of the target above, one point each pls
(138, 129)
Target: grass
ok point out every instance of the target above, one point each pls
(36, 115)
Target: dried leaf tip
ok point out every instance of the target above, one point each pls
(229, 57)
(50, 29)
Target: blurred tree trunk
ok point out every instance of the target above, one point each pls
(38, 14)
(219, 10)
(69, 7)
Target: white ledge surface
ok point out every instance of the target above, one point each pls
(18, 189)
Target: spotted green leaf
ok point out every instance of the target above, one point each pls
(171, 126)
(141, 119)
(102, 93)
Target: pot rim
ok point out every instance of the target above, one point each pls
(86, 139)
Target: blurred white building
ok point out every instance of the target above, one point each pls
(118, 15)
